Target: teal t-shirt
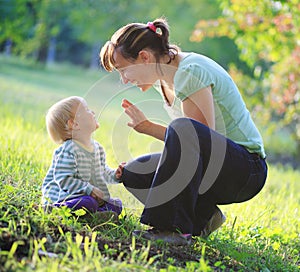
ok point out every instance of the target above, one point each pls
(232, 118)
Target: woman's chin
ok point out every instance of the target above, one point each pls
(144, 87)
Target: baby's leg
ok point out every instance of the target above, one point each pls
(80, 202)
(113, 204)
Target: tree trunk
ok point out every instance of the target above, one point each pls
(51, 51)
(94, 64)
(7, 49)
(42, 54)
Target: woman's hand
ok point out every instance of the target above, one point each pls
(139, 122)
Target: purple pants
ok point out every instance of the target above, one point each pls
(92, 205)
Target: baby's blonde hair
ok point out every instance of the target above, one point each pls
(58, 116)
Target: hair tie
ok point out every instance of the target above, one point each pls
(151, 26)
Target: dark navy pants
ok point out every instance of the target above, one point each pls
(197, 170)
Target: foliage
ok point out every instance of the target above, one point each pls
(16, 21)
(267, 34)
(75, 30)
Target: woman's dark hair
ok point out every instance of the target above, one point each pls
(134, 37)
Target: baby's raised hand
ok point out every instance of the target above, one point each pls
(119, 170)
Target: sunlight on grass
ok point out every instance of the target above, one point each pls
(276, 206)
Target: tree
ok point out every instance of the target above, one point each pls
(94, 20)
(16, 20)
(267, 34)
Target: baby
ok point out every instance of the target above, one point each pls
(78, 174)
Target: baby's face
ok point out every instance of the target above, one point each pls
(86, 117)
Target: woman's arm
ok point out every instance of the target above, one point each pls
(141, 124)
(200, 106)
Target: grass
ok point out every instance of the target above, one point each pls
(259, 235)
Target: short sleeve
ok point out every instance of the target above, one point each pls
(190, 79)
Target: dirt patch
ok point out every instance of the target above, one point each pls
(180, 254)
(108, 248)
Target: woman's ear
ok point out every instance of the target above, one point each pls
(145, 56)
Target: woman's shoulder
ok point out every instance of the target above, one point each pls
(192, 59)
(192, 65)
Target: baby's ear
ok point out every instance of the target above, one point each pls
(72, 124)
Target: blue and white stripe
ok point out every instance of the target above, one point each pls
(75, 171)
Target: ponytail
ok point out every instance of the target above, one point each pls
(134, 37)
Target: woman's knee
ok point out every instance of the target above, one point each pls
(180, 123)
(187, 126)
(139, 172)
(186, 130)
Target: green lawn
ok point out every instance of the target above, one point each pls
(259, 235)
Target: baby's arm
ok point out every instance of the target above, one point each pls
(119, 170)
(110, 175)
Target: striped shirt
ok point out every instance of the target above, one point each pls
(75, 172)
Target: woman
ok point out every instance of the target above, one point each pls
(213, 153)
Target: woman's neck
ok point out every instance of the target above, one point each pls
(169, 69)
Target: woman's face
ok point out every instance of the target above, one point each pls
(141, 72)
